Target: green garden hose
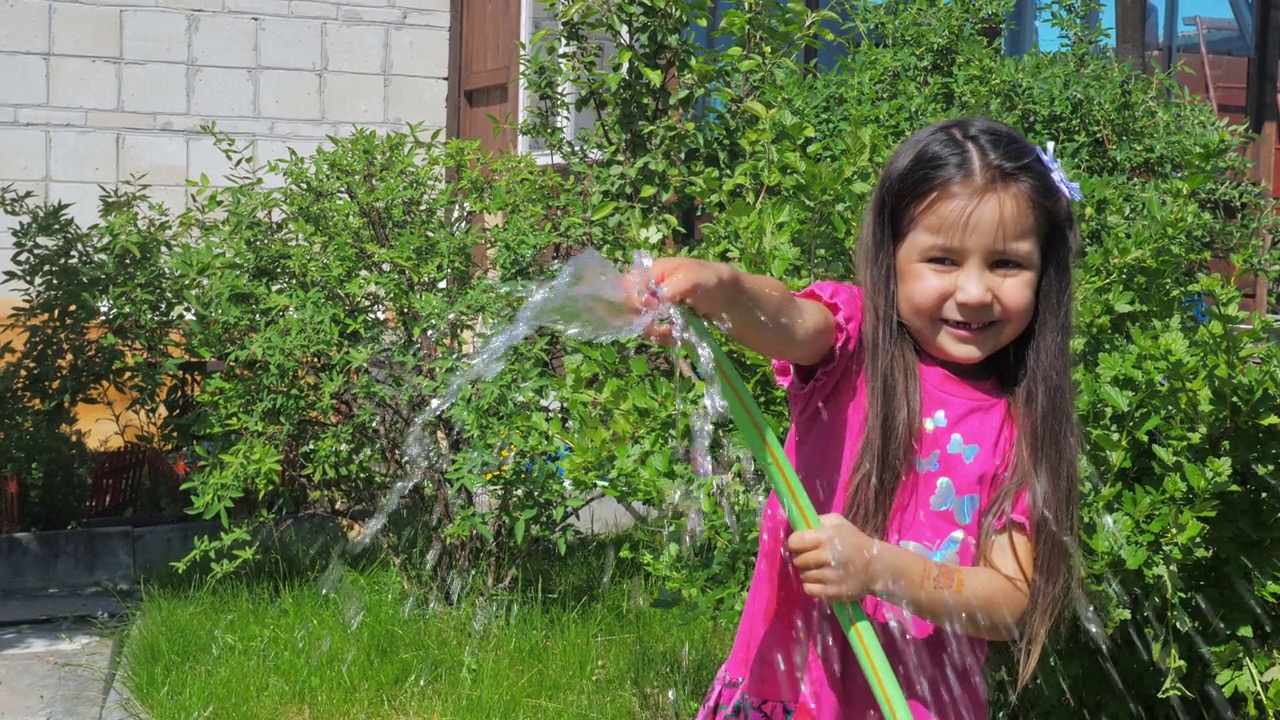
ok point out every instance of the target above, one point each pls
(801, 514)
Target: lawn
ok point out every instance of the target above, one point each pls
(262, 649)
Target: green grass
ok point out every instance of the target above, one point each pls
(273, 650)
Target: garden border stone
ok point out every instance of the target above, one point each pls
(116, 557)
(83, 558)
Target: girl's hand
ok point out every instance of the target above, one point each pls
(835, 561)
(758, 312)
(705, 287)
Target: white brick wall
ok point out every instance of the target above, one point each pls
(356, 48)
(290, 44)
(154, 87)
(93, 92)
(224, 40)
(86, 30)
(292, 94)
(25, 153)
(155, 35)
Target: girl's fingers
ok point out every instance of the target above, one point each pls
(688, 282)
(660, 333)
(678, 288)
(812, 560)
(821, 592)
(805, 541)
(831, 519)
(821, 576)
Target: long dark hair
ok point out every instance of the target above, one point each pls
(1035, 369)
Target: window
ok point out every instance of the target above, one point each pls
(1227, 27)
(535, 18)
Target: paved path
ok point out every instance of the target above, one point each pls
(53, 671)
(58, 669)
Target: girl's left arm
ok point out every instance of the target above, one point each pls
(840, 563)
(984, 601)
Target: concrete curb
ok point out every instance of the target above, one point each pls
(99, 557)
(118, 703)
(93, 604)
(117, 557)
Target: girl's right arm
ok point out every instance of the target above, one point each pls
(758, 312)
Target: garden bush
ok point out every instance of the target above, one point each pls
(341, 301)
(344, 298)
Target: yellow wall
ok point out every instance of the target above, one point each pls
(98, 423)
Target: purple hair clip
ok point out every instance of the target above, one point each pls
(1068, 188)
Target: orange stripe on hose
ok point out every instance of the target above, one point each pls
(777, 463)
(786, 481)
(866, 652)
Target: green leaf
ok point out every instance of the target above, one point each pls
(755, 108)
(603, 210)
(1134, 556)
(1115, 397)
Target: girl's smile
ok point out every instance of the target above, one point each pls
(971, 328)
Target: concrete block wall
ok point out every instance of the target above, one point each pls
(95, 92)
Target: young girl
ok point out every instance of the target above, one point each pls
(931, 419)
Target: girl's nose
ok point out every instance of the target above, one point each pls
(973, 288)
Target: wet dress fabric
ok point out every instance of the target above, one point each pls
(790, 659)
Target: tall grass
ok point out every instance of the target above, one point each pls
(562, 645)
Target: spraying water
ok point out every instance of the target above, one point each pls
(586, 301)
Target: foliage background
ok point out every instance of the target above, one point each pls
(343, 298)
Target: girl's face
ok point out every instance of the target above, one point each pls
(967, 272)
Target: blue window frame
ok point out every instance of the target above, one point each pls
(705, 36)
(1228, 27)
(825, 56)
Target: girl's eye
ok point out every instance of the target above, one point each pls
(1006, 264)
(941, 261)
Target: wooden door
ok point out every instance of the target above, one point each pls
(488, 66)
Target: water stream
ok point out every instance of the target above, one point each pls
(585, 301)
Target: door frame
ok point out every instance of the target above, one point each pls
(453, 92)
(454, 99)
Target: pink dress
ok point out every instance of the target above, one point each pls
(790, 659)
